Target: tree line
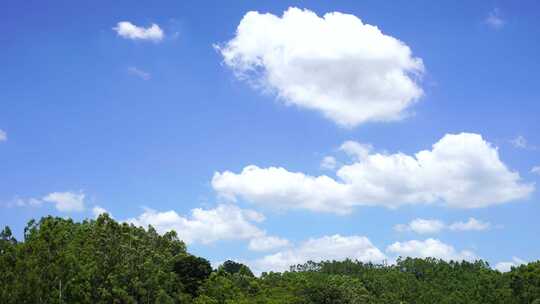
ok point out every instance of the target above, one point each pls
(104, 261)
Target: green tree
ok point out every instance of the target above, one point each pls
(192, 272)
(233, 267)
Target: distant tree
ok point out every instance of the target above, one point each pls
(334, 289)
(8, 258)
(192, 271)
(233, 267)
(525, 282)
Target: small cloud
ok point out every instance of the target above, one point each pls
(421, 226)
(66, 201)
(267, 243)
(139, 73)
(519, 142)
(430, 248)
(328, 163)
(494, 19)
(330, 247)
(433, 226)
(97, 211)
(3, 135)
(356, 149)
(471, 225)
(128, 30)
(63, 201)
(507, 266)
(24, 202)
(535, 170)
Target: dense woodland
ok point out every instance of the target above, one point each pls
(103, 261)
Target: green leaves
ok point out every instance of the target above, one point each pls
(192, 271)
(99, 261)
(233, 267)
(103, 261)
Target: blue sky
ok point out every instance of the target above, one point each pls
(152, 123)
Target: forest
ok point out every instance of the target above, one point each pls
(104, 261)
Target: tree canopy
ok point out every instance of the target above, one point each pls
(103, 261)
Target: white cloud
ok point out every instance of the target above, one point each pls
(432, 226)
(429, 248)
(328, 163)
(358, 151)
(519, 142)
(267, 243)
(471, 225)
(536, 170)
(225, 222)
(337, 65)
(460, 171)
(25, 202)
(3, 135)
(63, 201)
(422, 226)
(335, 247)
(139, 73)
(494, 19)
(507, 266)
(66, 201)
(128, 30)
(97, 211)
(283, 189)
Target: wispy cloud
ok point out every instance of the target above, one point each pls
(520, 142)
(471, 225)
(139, 73)
(63, 201)
(3, 135)
(421, 226)
(433, 226)
(494, 19)
(329, 163)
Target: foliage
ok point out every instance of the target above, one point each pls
(98, 261)
(103, 261)
(233, 267)
(192, 271)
